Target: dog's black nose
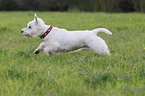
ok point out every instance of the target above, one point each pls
(22, 31)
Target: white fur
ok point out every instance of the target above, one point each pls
(61, 40)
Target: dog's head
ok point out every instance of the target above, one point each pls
(34, 28)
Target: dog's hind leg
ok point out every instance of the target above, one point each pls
(99, 46)
(100, 50)
(40, 48)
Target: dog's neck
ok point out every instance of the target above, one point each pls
(48, 30)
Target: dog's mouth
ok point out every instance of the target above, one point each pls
(27, 35)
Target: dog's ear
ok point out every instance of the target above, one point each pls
(36, 18)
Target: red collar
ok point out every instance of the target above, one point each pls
(49, 29)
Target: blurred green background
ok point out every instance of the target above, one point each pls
(74, 5)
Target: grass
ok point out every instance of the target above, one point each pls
(73, 74)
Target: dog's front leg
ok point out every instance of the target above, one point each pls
(49, 49)
(40, 48)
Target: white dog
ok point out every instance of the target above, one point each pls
(57, 40)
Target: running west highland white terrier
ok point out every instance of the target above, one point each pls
(57, 40)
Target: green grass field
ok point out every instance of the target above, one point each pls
(73, 74)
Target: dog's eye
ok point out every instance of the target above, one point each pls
(29, 27)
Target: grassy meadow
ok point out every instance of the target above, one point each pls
(73, 74)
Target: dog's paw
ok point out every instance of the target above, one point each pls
(36, 52)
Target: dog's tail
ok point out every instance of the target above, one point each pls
(102, 30)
